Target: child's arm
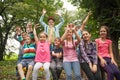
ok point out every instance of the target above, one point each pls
(111, 54)
(65, 34)
(29, 28)
(77, 36)
(85, 21)
(60, 55)
(31, 35)
(95, 62)
(61, 21)
(35, 34)
(41, 19)
(53, 54)
(17, 32)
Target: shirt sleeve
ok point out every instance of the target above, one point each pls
(96, 40)
(20, 38)
(83, 54)
(60, 24)
(43, 23)
(94, 51)
(31, 35)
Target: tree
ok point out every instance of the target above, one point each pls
(104, 12)
(19, 12)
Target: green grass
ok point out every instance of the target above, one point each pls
(7, 70)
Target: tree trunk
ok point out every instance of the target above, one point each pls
(115, 38)
(1, 52)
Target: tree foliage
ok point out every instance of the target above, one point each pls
(19, 12)
(104, 12)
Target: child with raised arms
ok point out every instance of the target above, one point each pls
(70, 58)
(42, 57)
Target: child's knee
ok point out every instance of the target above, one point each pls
(30, 67)
(46, 69)
(19, 66)
(59, 68)
(117, 72)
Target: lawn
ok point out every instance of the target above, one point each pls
(7, 71)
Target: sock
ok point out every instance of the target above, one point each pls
(23, 79)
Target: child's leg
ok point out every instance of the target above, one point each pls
(102, 73)
(59, 68)
(35, 70)
(107, 68)
(68, 70)
(85, 67)
(76, 69)
(20, 70)
(18, 61)
(46, 69)
(30, 67)
(109, 71)
(116, 71)
(53, 70)
(97, 74)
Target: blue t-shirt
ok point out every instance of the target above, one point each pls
(56, 51)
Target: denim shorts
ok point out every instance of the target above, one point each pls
(26, 62)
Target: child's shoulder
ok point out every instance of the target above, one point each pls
(108, 40)
(98, 39)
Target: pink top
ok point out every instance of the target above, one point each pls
(42, 52)
(103, 47)
(69, 51)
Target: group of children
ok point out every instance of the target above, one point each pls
(71, 52)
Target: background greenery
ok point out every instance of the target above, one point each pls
(20, 12)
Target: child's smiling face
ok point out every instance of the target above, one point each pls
(103, 33)
(57, 42)
(86, 35)
(28, 40)
(42, 37)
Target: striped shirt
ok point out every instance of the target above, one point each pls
(29, 51)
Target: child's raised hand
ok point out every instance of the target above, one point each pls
(29, 27)
(58, 13)
(89, 13)
(36, 26)
(73, 29)
(67, 28)
(44, 11)
(18, 30)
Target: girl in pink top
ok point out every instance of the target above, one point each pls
(105, 54)
(70, 58)
(42, 57)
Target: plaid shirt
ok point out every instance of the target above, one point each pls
(88, 52)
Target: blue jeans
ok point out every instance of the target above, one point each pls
(68, 66)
